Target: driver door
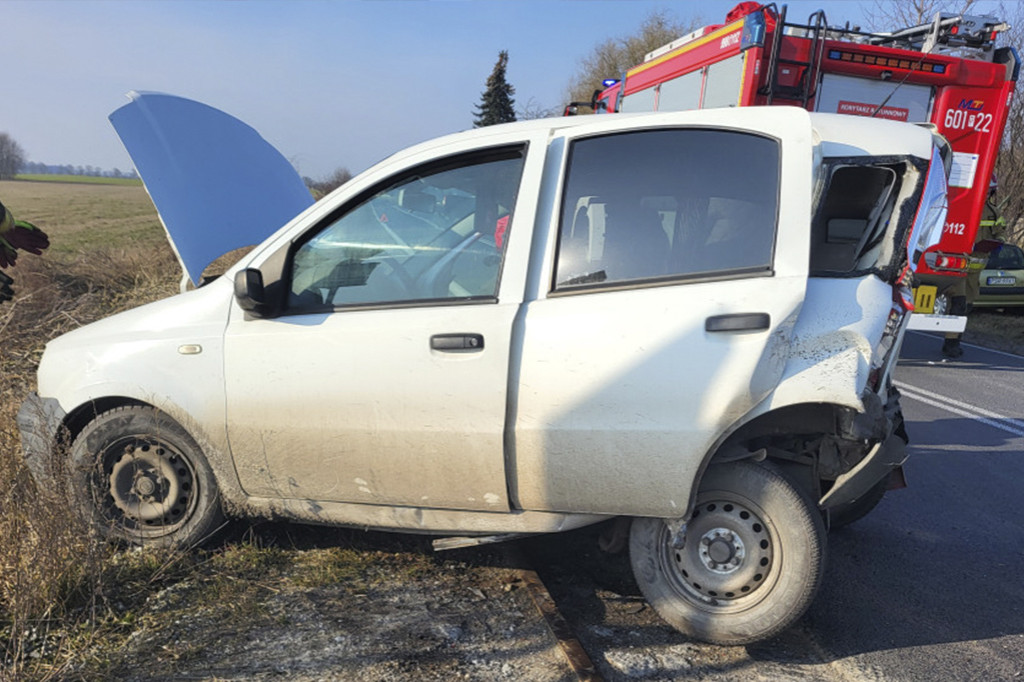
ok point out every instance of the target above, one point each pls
(384, 381)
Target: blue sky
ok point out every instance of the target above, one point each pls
(329, 83)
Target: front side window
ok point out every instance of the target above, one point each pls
(668, 204)
(436, 233)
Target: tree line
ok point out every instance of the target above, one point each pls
(13, 162)
(36, 168)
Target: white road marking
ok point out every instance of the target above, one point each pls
(987, 417)
(969, 345)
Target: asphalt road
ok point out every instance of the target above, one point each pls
(929, 586)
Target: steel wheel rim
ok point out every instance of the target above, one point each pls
(145, 485)
(731, 556)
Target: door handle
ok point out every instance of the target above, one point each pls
(739, 322)
(457, 342)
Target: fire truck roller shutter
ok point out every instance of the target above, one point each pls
(862, 96)
(722, 85)
(639, 101)
(682, 93)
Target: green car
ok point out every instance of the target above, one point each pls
(1001, 283)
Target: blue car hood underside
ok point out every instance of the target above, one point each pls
(216, 183)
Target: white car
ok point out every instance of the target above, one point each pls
(684, 318)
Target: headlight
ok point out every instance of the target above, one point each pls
(931, 214)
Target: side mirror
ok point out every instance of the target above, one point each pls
(251, 293)
(262, 291)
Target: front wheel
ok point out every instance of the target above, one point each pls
(751, 562)
(141, 478)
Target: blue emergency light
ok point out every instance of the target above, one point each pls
(754, 29)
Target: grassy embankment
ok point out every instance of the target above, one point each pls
(108, 253)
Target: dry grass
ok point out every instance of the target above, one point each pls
(108, 254)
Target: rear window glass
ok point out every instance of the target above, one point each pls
(1006, 257)
(668, 204)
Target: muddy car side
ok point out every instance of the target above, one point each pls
(688, 319)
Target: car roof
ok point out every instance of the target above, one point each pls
(219, 186)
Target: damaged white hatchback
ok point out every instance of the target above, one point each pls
(686, 319)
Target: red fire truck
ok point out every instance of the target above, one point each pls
(947, 72)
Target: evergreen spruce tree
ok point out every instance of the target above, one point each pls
(496, 103)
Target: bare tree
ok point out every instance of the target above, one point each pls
(325, 186)
(1009, 165)
(533, 109)
(614, 55)
(887, 15)
(890, 14)
(12, 157)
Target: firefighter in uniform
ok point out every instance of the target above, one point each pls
(14, 235)
(991, 229)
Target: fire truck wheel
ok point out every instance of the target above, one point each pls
(140, 478)
(750, 562)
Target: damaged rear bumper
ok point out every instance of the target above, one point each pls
(887, 454)
(876, 465)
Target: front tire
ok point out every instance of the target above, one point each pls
(751, 563)
(139, 477)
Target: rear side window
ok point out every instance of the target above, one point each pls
(851, 221)
(668, 205)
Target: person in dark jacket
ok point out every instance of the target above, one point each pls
(15, 235)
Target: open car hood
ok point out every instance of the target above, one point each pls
(216, 183)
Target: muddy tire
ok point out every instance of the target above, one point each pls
(140, 478)
(751, 562)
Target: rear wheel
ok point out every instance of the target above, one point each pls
(141, 478)
(750, 564)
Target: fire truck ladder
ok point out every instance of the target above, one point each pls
(945, 31)
(806, 88)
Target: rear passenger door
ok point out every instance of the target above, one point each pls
(679, 267)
